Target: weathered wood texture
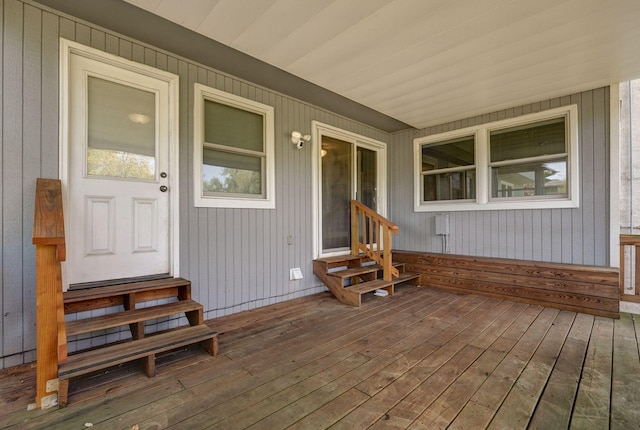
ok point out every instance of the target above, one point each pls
(630, 267)
(593, 290)
(424, 358)
(139, 347)
(48, 236)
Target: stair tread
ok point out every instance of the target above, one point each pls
(405, 276)
(111, 355)
(354, 271)
(102, 322)
(339, 258)
(367, 287)
(121, 289)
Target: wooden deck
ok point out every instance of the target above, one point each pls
(422, 358)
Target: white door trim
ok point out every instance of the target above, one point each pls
(69, 48)
(318, 130)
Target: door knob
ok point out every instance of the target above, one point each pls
(163, 174)
(163, 188)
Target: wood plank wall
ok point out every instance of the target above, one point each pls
(237, 259)
(573, 236)
(578, 288)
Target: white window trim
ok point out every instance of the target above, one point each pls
(481, 133)
(202, 92)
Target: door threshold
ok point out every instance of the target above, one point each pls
(106, 282)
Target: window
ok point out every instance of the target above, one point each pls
(524, 162)
(233, 149)
(448, 170)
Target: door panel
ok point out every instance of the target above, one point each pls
(118, 146)
(348, 171)
(337, 191)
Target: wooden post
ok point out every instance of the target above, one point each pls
(387, 254)
(621, 269)
(354, 229)
(48, 236)
(48, 276)
(636, 269)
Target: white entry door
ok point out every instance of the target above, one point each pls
(118, 176)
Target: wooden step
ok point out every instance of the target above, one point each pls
(369, 286)
(127, 294)
(118, 319)
(123, 289)
(407, 277)
(146, 349)
(361, 271)
(327, 263)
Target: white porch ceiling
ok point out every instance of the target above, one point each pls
(426, 62)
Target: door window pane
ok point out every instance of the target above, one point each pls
(367, 179)
(121, 131)
(337, 190)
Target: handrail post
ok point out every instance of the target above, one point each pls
(355, 239)
(387, 254)
(48, 236)
(381, 229)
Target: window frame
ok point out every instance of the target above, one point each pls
(267, 199)
(484, 199)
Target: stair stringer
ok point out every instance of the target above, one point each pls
(335, 285)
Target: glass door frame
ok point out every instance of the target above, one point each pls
(318, 131)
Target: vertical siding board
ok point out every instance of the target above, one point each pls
(50, 103)
(190, 76)
(2, 192)
(12, 138)
(181, 69)
(126, 50)
(67, 28)
(536, 235)
(32, 99)
(556, 235)
(98, 39)
(137, 54)
(202, 214)
(83, 34)
(568, 245)
(111, 44)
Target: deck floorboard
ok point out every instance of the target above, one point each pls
(421, 359)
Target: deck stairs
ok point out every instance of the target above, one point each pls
(349, 277)
(132, 302)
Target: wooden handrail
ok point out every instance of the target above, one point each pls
(48, 236)
(628, 242)
(367, 228)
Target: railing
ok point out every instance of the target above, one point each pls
(630, 273)
(368, 228)
(48, 237)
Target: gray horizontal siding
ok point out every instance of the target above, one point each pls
(236, 259)
(576, 236)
